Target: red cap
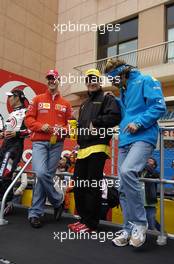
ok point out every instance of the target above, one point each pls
(53, 73)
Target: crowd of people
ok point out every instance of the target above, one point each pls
(136, 111)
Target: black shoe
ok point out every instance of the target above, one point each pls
(58, 212)
(35, 222)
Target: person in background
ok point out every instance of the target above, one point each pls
(72, 159)
(142, 104)
(47, 118)
(13, 133)
(63, 165)
(150, 192)
(172, 166)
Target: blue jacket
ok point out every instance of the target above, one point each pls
(141, 103)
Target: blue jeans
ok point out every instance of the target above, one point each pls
(131, 160)
(151, 217)
(45, 158)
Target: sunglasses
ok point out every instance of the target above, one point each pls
(11, 96)
(50, 78)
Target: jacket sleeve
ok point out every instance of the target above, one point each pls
(110, 113)
(155, 103)
(23, 133)
(31, 115)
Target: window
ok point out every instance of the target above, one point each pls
(111, 51)
(117, 42)
(170, 32)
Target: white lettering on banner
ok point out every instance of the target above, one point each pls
(168, 134)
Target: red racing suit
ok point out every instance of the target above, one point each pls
(50, 109)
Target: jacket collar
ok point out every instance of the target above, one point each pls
(95, 94)
(134, 73)
(50, 95)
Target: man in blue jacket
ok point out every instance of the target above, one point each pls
(142, 104)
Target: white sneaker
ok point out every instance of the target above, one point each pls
(121, 239)
(138, 235)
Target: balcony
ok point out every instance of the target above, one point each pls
(156, 60)
(149, 57)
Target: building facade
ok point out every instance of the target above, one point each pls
(144, 40)
(73, 35)
(27, 39)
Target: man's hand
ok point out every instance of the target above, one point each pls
(9, 134)
(46, 128)
(131, 127)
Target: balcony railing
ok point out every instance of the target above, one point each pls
(146, 57)
(168, 116)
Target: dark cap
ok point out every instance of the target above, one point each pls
(18, 93)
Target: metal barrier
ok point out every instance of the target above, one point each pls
(2, 220)
(162, 237)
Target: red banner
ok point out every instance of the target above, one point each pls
(10, 81)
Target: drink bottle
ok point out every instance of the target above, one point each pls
(53, 139)
(73, 129)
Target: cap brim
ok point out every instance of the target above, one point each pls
(9, 93)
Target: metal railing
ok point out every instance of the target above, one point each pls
(162, 237)
(149, 56)
(2, 220)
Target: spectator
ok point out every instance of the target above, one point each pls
(142, 104)
(97, 114)
(47, 118)
(63, 165)
(172, 165)
(150, 192)
(72, 158)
